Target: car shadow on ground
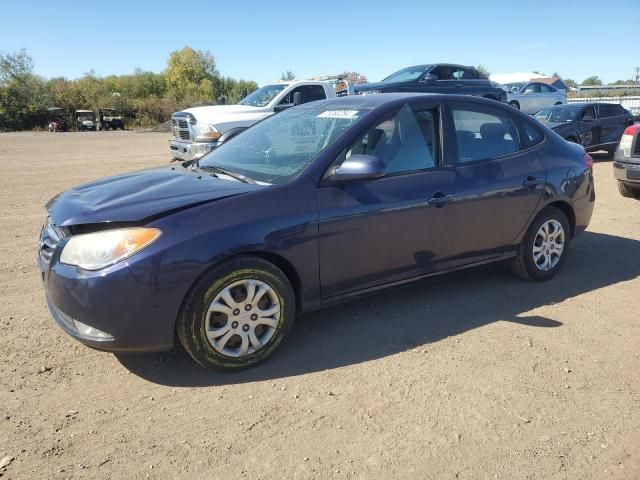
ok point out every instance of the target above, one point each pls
(413, 315)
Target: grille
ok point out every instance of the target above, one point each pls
(181, 129)
(49, 238)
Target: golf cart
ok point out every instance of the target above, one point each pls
(85, 120)
(57, 123)
(109, 118)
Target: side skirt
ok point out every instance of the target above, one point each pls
(335, 299)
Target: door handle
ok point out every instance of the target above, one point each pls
(440, 199)
(531, 183)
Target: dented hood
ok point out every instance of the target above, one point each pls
(137, 196)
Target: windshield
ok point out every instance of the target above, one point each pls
(263, 95)
(557, 115)
(85, 116)
(407, 74)
(513, 87)
(280, 147)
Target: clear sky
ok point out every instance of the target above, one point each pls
(259, 40)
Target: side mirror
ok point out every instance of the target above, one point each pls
(297, 98)
(359, 167)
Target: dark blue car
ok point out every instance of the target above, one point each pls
(315, 205)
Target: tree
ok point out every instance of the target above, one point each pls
(355, 78)
(23, 95)
(570, 83)
(15, 66)
(482, 70)
(622, 82)
(592, 80)
(187, 68)
(288, 75)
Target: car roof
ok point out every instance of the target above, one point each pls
(582, 105)
(84, 111)
(381, 99)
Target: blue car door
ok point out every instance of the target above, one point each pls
(499, 179)
(376, 232)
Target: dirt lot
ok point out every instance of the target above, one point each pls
(471, 376)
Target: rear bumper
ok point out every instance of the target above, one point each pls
(190, 151)
(627, 172)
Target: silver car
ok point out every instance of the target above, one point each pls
(533, 96)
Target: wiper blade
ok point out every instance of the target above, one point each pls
(229, 173)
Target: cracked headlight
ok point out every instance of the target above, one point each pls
(93, 251)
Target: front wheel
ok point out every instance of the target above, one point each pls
(515, 104)
(544, 247)
(237, 314)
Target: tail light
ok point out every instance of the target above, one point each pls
(626, 142)
(588, 160)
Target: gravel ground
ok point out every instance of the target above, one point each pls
(469, 376)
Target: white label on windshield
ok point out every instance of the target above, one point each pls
(338, 114)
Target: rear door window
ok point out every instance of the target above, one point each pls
(546, 88)
(310, 93)
(532, 88)
(610, 110)
(483, 133)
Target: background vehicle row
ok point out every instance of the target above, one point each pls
(595, 126)
(533, 96)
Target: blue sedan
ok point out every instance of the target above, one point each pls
(318, 204)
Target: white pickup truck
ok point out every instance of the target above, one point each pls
(196, 131)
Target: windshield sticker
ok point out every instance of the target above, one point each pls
(338, 114)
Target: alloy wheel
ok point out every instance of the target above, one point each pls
(548, 245)
(243, 317)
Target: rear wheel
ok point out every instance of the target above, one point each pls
(515, 104)
(544, 247)
(628, 191)
(237, 314)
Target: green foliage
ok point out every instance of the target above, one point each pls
(592, 80)
(190, 73)
(145, 98)
(623, 82)
(482, 70)
(355, 78)
(570, 83)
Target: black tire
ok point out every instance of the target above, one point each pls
(194, 316)
(628, 191)
(523, 265)
(514, 104)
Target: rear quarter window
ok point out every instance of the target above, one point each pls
(532, 135)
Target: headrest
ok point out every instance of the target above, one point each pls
(493, 131)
